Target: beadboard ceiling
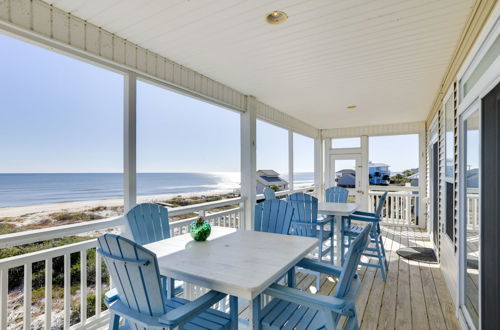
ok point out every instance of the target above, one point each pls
(387, 57)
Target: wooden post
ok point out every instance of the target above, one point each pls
(129, 141)
(248, 162)
(290, 160)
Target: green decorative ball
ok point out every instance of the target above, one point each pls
(200, 230)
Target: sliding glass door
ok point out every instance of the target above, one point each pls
(471, 215)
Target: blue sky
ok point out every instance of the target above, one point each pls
(60, 114)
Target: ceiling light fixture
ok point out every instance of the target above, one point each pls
(351, 107)
(276, 17)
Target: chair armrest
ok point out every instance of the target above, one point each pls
(320, 267)
(325, 220)
(366, 219)
(192, 309)
(142, 320)
(365, 214)
(308, 299)
(111, 295)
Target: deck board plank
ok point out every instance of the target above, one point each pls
(419, 314)
(372, 312)
(388, 308)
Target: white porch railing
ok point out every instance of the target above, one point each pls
(473, 208)
(401, 207)
(62, 300)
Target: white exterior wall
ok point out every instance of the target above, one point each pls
(449, 251)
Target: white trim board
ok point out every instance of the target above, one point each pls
(375, 130)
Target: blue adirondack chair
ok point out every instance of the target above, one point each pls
(139, 300)
(273, 216)
(305, 222)
(336, 195)
(269, 193)
(291, 308)
(376, 247)
(148, 223)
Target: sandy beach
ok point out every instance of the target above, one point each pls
(36, 214)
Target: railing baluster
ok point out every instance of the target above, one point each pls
(67, 290)
(4, 292)
(48, 293)
(83, 287)
(27, 295)
(98, 285)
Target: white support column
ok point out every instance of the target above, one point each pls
(129, 141)
(290, 159)
(364, 172)
(422, 176)
(248, 162)
(318, 166)
(327, 169)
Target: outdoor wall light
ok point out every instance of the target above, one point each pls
(276, 17)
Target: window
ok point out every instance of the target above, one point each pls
(184, 146)
(449, 165)
(303, 161)
(339, 143)
(489, 57)
(61, 139)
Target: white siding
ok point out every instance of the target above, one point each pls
(375, 130)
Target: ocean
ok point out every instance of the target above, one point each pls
(46, 188)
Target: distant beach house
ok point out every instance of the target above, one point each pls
(270, 178)
(346, 178)
(378, 173)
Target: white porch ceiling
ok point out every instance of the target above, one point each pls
(387, 57)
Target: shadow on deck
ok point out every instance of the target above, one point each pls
(415, 294)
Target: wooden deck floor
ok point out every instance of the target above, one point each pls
(414, 297)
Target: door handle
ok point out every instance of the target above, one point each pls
(360, 191)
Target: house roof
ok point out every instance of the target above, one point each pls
(376, 55)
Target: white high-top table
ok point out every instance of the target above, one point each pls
(338, 210)
(236, 262)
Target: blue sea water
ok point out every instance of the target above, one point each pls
(44, 188)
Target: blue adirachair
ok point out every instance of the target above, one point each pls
(139, 300)
(291, 308)
(305, 222)
(376, 247)
(148, 223)
(273, 216)
(336, 195)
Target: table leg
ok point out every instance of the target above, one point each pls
(254, 322)
(233, 310)
(340, 239)
(291, 277)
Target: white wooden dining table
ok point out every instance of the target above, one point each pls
(239, 263)
(337, 210)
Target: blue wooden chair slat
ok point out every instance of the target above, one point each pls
(273, 216)
(138, 297)
(294, 309)
(376, 249)
(336, 195)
